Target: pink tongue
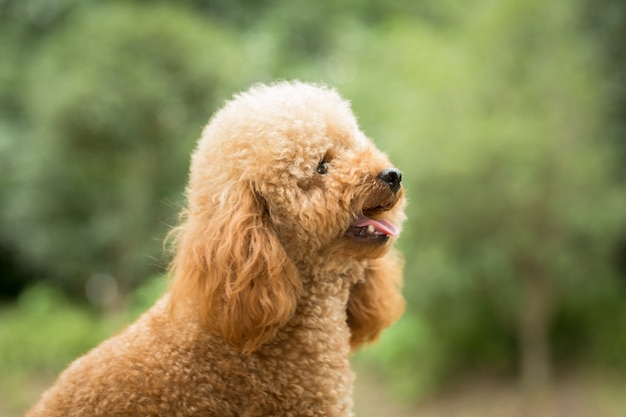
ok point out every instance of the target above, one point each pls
(382, 226)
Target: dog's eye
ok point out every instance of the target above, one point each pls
(322, 168)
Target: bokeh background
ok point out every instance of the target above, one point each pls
(508, 119)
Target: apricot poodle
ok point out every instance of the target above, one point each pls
(283, 265)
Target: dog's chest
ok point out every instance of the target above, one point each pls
(306, 366)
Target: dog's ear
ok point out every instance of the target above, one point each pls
(376, 301)
(231, 261)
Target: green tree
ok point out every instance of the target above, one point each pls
(515, 207)
(113, 102)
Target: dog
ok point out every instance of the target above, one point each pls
(283, 264)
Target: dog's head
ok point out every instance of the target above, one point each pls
(281, 175)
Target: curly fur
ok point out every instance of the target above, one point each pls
(272, 285)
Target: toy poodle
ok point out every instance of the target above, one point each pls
(283, 264)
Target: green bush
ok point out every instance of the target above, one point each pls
(44, 331)
(515, 209)
(114, 100)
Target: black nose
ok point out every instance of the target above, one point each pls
(392, 177)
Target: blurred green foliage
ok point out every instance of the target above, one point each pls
(504, 117)
(517, 211)
(44, 331)
(70, 330)
(113, 99)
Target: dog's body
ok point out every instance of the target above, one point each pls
(282, 267)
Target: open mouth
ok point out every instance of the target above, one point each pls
(366, 228)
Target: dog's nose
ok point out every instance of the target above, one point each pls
(392, 177)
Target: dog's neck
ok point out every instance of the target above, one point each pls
(316, 340)
(320, 319)
(327, 279)
(323, 302)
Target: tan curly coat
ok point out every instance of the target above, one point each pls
(283, 266)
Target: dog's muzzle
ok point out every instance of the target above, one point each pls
(371, 226)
